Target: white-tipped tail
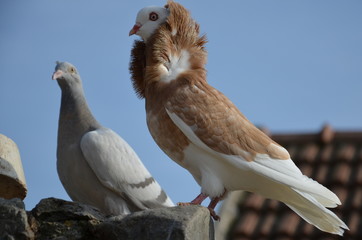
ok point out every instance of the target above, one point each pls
(282, 180)
(308, 208)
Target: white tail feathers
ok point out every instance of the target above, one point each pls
(314, 212)
(303, 195)
(322, 194)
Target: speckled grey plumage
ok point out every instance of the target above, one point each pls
(94, 164)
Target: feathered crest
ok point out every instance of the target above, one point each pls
(182, 27)
(179, 32)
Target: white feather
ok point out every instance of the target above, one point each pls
(312, 211)
(177, 65)
(286, 172)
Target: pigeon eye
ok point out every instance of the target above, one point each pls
(153, 16)
(72, 70)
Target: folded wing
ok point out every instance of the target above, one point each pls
(118, 168)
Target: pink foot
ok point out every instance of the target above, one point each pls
(197, 201)
(184, 204)
(200, 198)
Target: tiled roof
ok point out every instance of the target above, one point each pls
(334, 159)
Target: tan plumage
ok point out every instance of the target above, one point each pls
(203, 131)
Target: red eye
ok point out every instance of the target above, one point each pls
(153, 16)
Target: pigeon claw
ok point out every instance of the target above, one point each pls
(213, 214)
(185, 204)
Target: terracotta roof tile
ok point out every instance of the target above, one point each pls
(307, 229)
(354, 222)
(293, 150)
(288, 224)
(359, 175)
(357, 200)
(326, 153)
(248, 224)
(342, 192)
(254, 202)
(341, 174)
(333, 158)
(306, 169)
(321, 175)
(359, 155)
(273, 204)
(346, 152)
(308, 153)
(327, 134)
(267, 225)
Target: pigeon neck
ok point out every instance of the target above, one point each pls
(74, 111)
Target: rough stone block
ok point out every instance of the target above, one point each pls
(14, 220)
(12, 179)
(58, 219)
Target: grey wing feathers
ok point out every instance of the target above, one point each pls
(118, 168)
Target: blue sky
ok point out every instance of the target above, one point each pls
(290, 66)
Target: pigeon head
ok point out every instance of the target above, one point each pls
(66, 74)
(148, 20)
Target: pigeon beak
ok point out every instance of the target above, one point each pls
(135, 29)
(57, 74)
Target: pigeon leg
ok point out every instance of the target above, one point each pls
(197, 201)
(211, 207)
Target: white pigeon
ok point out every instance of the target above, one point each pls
(95, 165)
(203, 131)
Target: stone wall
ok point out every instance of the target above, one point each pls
(58, 219)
